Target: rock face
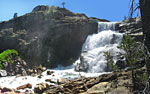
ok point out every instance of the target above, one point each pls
(132, 27)
(47, 35)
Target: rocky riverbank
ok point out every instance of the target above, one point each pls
(113, 83)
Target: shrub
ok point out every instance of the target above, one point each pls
(7, 56)
(110, 61)
(134, 53)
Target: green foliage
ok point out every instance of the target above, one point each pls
(110, 61)
(71, 60)
(140, 79)
(133, 51)
(7, 56)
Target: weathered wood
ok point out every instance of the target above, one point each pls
(145, 15)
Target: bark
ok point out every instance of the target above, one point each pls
(145, 15)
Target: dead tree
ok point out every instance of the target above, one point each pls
(63, 3)
(15, 15)
(145, 15)
(144, 6)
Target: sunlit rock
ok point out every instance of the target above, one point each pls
(3, 73)
(40, 88)
(25, 86)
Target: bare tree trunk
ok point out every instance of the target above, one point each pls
(145, 15)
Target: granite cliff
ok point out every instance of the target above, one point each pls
(133, 27)
(48, 35)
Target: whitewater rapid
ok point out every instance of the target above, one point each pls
(106, 39)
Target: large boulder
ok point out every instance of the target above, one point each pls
(47, 36)
(3, 73)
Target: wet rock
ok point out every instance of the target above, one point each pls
(23, 63)
(69, 86)
(28, 92)
(40, 88)
(24, 86)
(37, 70)
(17, 91)
(30, 70)
(40, 68)
(4, 64)
(61, 81)
(40, 76)
(1, 88)
(24, 73)
(33, 74)
(10, 93)
(53, 81)
(48, 80)
(5, 89)
(50, 72)
(83, 65)
(3, 73)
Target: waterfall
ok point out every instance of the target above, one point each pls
(106, 26)
(92, 58)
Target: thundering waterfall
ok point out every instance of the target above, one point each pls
(107, 39)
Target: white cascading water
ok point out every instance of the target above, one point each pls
(106, 40)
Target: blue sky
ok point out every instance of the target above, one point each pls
(113, 10)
